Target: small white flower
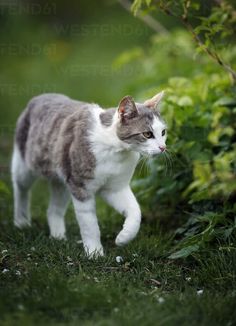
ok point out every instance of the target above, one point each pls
(119, 259)
(21, 307)
(18, 273)
(32, 248)
(5, 271)
(143, 293)
(70, 263)
(161, 300)
(5, 251)
(200, 292)
(188, 279)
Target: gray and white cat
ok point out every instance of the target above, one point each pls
(84, 150)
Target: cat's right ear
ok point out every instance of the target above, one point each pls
(127, 109)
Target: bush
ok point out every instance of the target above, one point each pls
(196, 177)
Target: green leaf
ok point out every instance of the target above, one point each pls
(184, 252)
(3, 188)
(148, 2)
(185, 101)
(136, 6)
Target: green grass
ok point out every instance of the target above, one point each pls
(50, 282)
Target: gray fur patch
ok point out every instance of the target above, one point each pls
(131, 131)
(56, 140)
(22, 130)
(77, 161)
(107, 116)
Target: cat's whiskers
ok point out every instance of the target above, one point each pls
(143, 161)
(169, 160)
(166, 164)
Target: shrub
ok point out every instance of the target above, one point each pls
(196, 178)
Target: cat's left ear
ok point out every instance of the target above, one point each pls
(127, 109)
(153, 102)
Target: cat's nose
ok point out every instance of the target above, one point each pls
(162, 148)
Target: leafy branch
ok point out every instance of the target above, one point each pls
(221, 20)
(203, 45)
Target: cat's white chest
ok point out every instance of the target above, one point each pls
(113, 169)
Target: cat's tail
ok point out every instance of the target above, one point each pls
(22, 129)
(22, 178)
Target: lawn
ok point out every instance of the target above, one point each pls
(44, 281)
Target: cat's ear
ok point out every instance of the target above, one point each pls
(127, 109)
(153, 102)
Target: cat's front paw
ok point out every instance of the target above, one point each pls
(22, 223)
(94, 253)
(123, 238)
(58, 236)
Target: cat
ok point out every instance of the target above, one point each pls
(84, 150)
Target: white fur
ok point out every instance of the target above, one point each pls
(22, 181)
(57, 208)
(89, 229)
(115, 164)
(152, 146)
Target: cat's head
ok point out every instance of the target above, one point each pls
(141, 126)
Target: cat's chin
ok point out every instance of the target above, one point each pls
(150, 153)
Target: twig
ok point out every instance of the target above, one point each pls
(147, 19)
(213, 54)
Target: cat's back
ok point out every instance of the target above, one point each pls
(49, 119)
(44, 106)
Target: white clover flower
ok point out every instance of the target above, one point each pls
(119, 259)
(161, 300)
(199, 292)
(5, 271)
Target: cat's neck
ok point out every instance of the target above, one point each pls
(103, 137)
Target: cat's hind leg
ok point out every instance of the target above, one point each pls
(57, 208)
(22, 179)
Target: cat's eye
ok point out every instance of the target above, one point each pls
(148, 134)
(163, 132)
